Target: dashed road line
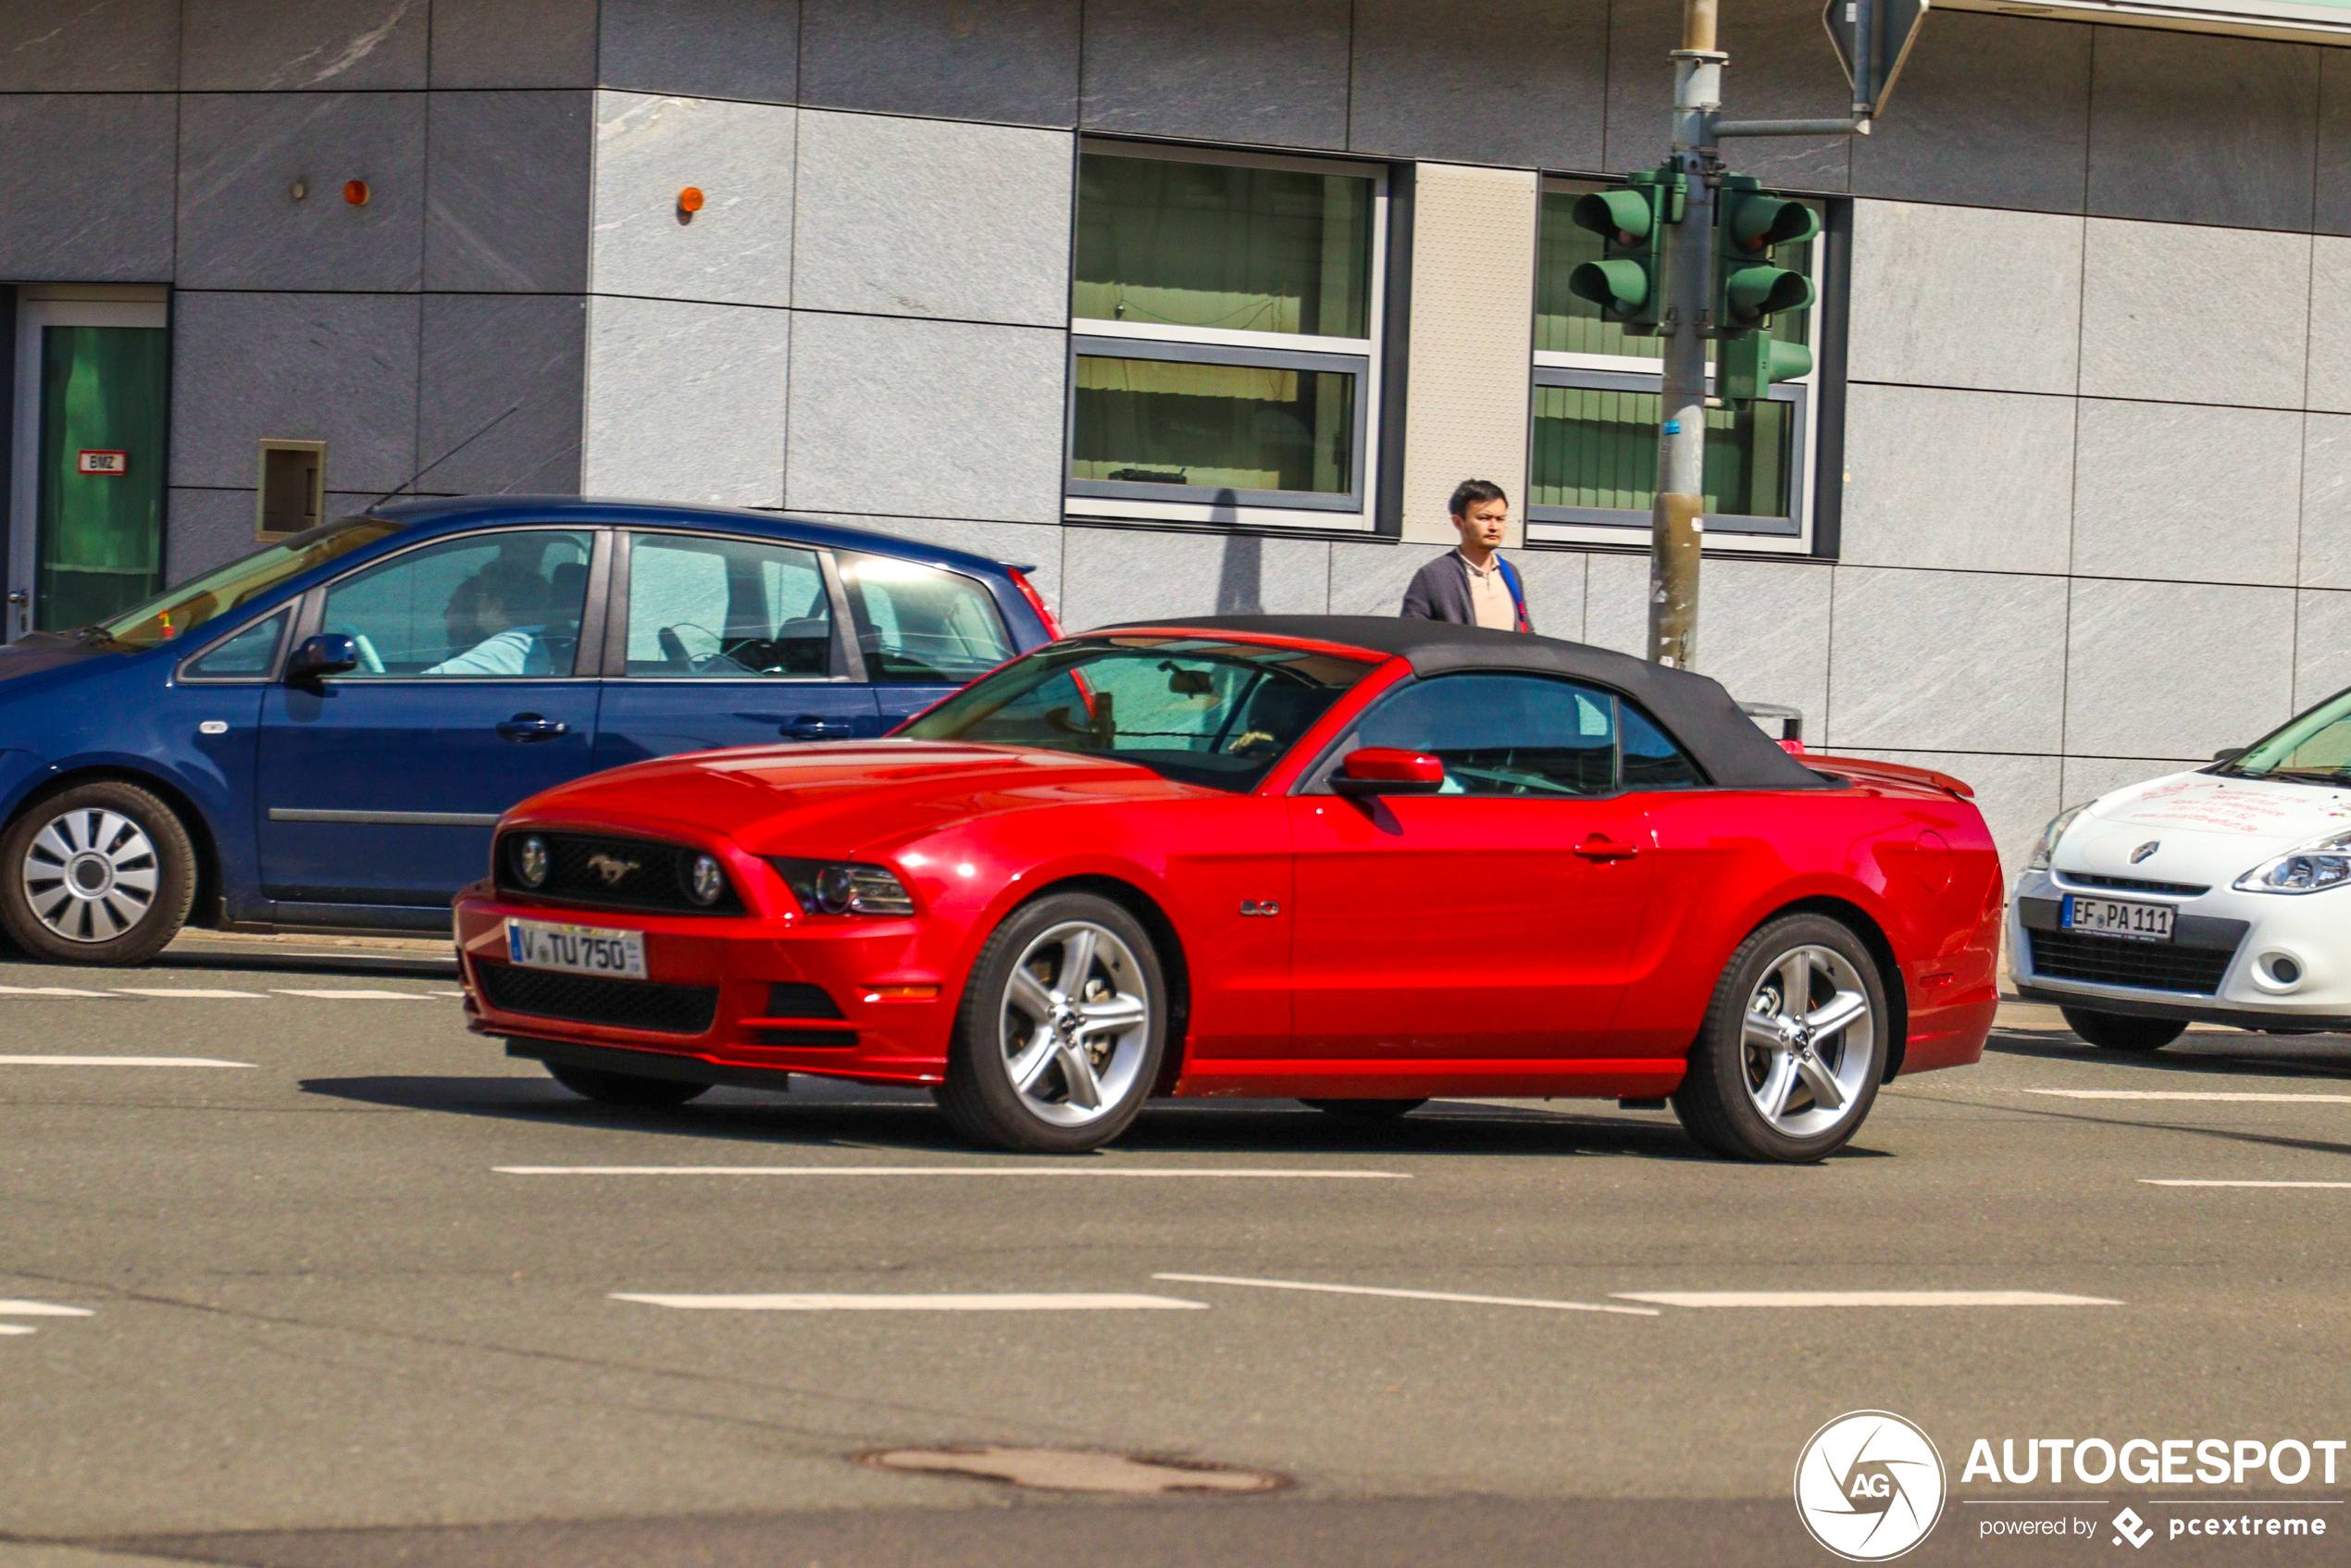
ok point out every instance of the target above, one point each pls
(2182, 1181)
(356, 996)
(118, 1061)
(944, 1170)
(190, 990)
(1863, 1299)
(49, 990)
(42, 1308)
(1008, 1301)
(1406, 1295)
(2236, 1097)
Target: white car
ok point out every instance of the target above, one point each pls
(2221, 895)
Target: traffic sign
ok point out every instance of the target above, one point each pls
(1893, 25)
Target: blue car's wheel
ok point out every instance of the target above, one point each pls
(102, 873)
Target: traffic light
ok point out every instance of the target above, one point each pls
(1749, 289)
(1627, 282)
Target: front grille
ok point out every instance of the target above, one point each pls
(592, 998)
(610, 872)
(2118, 961)
(2134, 884)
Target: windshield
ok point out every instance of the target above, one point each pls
(1197, 709)
(2315, 748)
(178, 611)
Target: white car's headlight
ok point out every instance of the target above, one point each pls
(2050, 835)
(2317, 865)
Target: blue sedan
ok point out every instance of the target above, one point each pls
(322, 734)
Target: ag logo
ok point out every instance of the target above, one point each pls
(1869, 1486)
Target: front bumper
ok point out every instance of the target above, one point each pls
(743, 997)
(2219, 968)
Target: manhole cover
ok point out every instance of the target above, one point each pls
(1074, 1470)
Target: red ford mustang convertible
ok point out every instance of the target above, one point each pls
(1356, 862)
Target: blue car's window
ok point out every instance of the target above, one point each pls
(178, 611)
(480, 605)
(245, 656)
(727, 609)
(917, 624)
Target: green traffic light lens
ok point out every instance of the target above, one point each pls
(1618, 288)
(1624, 217)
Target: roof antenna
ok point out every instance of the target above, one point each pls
(443, 459)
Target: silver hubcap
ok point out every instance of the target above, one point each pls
(90, 875)
(1808, 1034)
(1077, 1020)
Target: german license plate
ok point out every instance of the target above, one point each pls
(576, 949)
(2113, 917)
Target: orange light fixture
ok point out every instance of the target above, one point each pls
(689, 199)
(356, 192)
(901, 993)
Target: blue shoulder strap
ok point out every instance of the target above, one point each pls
(1518, 594)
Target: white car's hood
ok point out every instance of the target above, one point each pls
(2202, 827)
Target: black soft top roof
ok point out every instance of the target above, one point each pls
(1695, 709)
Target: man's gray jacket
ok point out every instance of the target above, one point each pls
(1441, 592)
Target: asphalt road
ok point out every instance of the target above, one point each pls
(326, 1329)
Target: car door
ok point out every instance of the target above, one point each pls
(923, 631)
(379, 786)
(725, 640)
(1492, 920)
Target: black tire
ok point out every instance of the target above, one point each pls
(2123, 1031)
(120, 920)
(627, 1089)
(1714, 1100)
(1366, 1110)
(979, 1097)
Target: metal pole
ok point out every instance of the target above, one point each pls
(1677, 526)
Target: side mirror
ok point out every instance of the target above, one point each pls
(329, 653)
(1388, 770)
(2230, 753)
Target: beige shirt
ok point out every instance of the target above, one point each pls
(1490, 595)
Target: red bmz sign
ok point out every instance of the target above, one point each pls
(112, 464)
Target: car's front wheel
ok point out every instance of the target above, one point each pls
(1061, 1030)
(2123, 1031)
(628, 1091)
(102, 873)
(1787, 1062)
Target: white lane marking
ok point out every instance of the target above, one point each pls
(117, 1062)
(2182, 1094)
(358, 996)
(42, 1308)
(1012, 1302)
(445, 993)
(48, 990)
(159, 990)
(1863, 1299)
(1406, 1295)
(941, 1171)
(14, 1329)
(2176, 1181)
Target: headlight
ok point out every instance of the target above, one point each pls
(530, 862)
(844, 887)
(706, 880)
(2050, 835)
(2322, 864)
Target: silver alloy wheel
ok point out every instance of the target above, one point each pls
(1076, 1023)
(1806, 1034)
(90, 874)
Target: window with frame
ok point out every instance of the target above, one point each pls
(1592, 455)
(1526, 736)
(1226, 332)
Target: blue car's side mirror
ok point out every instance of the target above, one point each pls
(329, 653)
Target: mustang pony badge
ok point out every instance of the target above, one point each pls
(612, 868)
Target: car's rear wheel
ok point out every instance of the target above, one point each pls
(1787, 1062)
(102, 873)
(626, 1089)
(1366, 1110)
(1061, 1030)
(2123, 1031)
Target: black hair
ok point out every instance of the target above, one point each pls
(1469, 492)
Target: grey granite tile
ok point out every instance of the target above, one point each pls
(109, 156)
(2331, 195)
(686, 401)
(913, 417)
(1919, 490)
(2241, 298)
(1907, 668)
(747, 49)
(1494, 82)
(501, 396)
(1116, 575)
(2326, 500)
(1219, 70)
(1012, 60)
(2192, 128)
(2174, 669)
(2017, 794)
(2168, 490)
(204, 529)
(737, 250)
(336, 45)
(1953, 296)
(339, 368)
(1781, 67)
(1369, 578)
(2322, 649)
(898, 217)
(508, 203)
(241, 157)
(2327, 376)
(514, 43)
(1036, 548)
(1616, 605)
(1988, 111)
(1556, 583)
(89, 45)
(1762, 625)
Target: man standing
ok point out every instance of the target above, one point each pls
(1473, 585)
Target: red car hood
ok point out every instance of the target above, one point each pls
(845, 798)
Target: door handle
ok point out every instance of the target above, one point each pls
(1599, 848)
(526, 728)
(809, 727)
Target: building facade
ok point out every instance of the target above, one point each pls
(1206, 305)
